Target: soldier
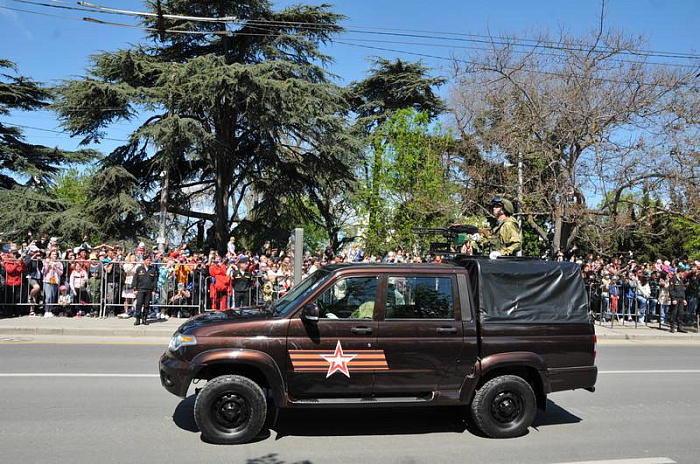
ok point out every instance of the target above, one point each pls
(676, 291)
(144, 285)
(504, 239)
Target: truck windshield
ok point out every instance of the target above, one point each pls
(291, 300)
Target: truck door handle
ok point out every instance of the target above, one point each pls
(446, 330)
(361, 330)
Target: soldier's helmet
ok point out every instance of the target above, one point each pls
(504, 203)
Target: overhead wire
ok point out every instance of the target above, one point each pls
(342, 42)
(223, 19)
(413, 33)
(459, 60)
(54, 131)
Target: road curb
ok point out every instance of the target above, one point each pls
(87, 332)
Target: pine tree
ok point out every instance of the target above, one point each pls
(242, 116)
(19, 159)
(390, 86)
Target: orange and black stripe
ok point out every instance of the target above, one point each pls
(364, 360)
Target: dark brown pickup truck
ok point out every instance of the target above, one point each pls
(496, 336)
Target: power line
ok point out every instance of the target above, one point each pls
(233, 33)
(89, 7)
(54, 131)
(236, 33)
(489, 40)
(413, 33)
(224, 19)
(549, 73)
(465, 47)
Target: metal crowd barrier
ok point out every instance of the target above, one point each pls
(106, 288)
(624, 307)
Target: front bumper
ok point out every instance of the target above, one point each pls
(175, 374)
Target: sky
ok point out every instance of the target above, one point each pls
(50, 49)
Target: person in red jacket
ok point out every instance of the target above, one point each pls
(14, 267)
(220, 286)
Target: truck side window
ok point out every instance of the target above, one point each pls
(350, 298)
(414, 297)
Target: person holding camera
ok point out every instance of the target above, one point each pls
(34, 265)
(53, 270)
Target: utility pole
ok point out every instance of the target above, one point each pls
(165, 181)
(520, 200)
(298, 253)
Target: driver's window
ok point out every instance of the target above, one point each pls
(349, 298)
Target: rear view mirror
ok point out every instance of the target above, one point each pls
(310, 312)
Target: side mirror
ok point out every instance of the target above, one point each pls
(310, 312)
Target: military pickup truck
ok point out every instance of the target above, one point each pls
(493, 336)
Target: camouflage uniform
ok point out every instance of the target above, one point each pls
(505, 237)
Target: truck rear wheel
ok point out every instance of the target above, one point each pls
(230, 409)
(504, 407)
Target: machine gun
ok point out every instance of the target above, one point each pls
(455, 236)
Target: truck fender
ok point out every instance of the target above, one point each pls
(517, 359)
(243, 357)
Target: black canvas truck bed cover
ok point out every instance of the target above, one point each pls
(528, 291)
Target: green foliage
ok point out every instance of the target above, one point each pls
(390, 87)
(101, 205)
(415, 185)
(111, 204)
(71, 186)
(26, 209)
(19, 159)
(249, 115)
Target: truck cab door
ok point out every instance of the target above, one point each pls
(335, 357)
(422, 335)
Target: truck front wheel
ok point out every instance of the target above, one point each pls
(230, 409)
(504, 407)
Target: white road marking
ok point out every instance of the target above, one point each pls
(659, 460)
(652, 371)
(63, 374)
(150, 376)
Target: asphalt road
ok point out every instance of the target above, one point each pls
(646, 409)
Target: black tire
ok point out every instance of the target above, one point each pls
(230, 409)
(504, 407)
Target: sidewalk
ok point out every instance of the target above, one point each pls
(114, 327)
(87, 326)
(642, 332)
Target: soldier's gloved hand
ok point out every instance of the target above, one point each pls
(495, 254)
(476, 237)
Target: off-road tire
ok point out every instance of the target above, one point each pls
(504, 407)
(230, 409)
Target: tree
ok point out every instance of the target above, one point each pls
(100, 203)
(586, 114)
(390, 86)
(419, 188)
(18, 158)
(241, 116)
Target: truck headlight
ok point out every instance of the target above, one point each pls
(180, 340)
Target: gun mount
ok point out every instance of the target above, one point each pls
(455, 236)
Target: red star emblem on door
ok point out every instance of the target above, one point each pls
(338, 361)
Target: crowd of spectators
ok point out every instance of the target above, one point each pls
(626, 289)
(42, 277)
